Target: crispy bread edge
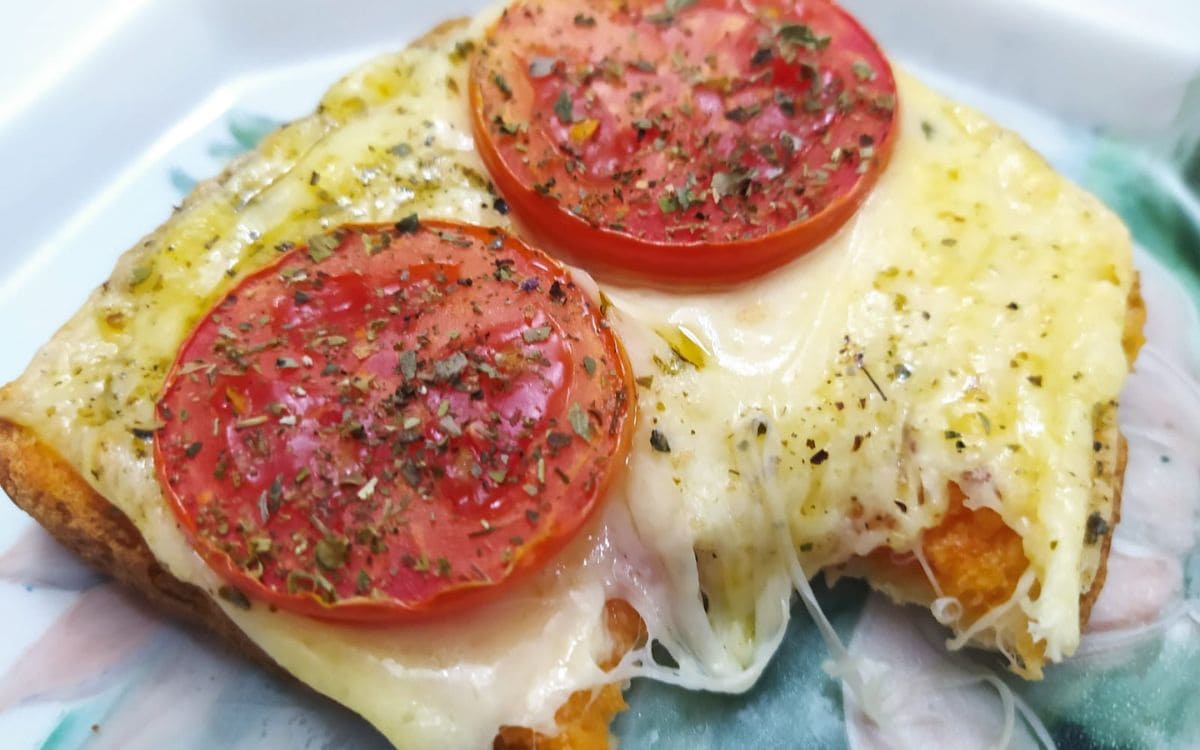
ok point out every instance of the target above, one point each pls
(42, 484)
(1131, 341)
(1087, 600)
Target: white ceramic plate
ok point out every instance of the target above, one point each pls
(109, 109)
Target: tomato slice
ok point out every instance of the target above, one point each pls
(692, 141)
(392, 422)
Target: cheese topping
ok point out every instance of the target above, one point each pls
(963, 327)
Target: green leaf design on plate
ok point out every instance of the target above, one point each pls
(246, 131)
(1146, 700)
(1160, 208)
(66, 733)
(181, 181)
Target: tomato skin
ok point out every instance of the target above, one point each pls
(393, 423)
(600, 192)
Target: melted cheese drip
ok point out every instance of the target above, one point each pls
(880, 366)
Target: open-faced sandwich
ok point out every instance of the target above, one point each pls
(583, 330)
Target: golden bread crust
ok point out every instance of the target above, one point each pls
(1088, 599)
(43, 485)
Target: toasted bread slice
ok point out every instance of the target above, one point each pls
(52, 490)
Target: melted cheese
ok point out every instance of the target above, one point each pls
(962, 327)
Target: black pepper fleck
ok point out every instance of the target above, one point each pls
(1096, 528)
(659, 442)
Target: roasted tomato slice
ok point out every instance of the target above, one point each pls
(393, 422)
(698, 142)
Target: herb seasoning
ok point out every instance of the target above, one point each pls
(356, 466)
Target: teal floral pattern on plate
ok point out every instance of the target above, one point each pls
(245, 131)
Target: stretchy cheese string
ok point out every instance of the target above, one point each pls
(989, 620)
(694, 672)
(868, 690)
(947, 610)
(866, 680)
(1010, 701)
